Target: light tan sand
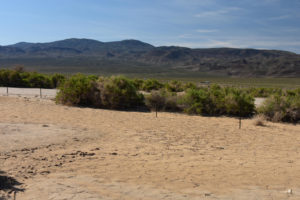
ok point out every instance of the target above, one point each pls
(61, 152)
(28, 92)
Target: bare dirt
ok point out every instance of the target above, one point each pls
(28, 92)
(49, 151)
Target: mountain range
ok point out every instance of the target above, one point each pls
(133, 56)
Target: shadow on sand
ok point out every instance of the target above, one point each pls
(8, 184)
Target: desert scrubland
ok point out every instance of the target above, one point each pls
(59, 152)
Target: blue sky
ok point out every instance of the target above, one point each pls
(262, 24)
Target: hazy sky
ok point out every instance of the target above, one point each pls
(267, 24)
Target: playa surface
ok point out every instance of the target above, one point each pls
(58, 152)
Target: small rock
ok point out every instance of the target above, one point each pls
(86, 154)
(45, 172)
(207, 194)
(58, 165)
(290, 191)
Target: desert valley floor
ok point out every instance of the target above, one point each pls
(59, 152)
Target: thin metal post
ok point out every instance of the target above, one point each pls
(7, 91)
(240, 121)
(40, 92)
(156, 110)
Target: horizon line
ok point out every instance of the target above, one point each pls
(221, 47)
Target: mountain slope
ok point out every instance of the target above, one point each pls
(136, 55)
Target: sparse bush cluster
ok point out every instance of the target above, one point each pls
(218, 101)
(151, 84)
(211, 101)
(123, 93)
(282, 108)
(20, 78)
(163, 100)
(118, 93)
(263, 92)
(174, 86)
(173, 96)
(111, 93)
(77, 90)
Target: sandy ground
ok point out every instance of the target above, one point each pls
(258, 101)
(28, 92)
(58, 152)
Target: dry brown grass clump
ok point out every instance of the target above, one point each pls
(259, 120)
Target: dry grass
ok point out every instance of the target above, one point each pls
(259, 120)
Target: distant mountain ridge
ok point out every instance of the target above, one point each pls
(140, 56)
(84, 46)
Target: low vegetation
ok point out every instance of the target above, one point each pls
(163, 100)
(20, 78)
(218, 101)
(151, 84)
(282, 108)
(111, 93)
(259, 120)
(173, 96)
(122, 93)
(264, 92)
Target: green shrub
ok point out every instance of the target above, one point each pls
(4, 77)
(218, 101)
(156, 100)
(194, 101)
(119, 93)
(162, 100)
(152, 84)
(93, 77)
(174, 86)
(205, 101)
(294, 92)
(76, 90)
(36, 80)
(15, 79)
(263, 92)
(21, 78)
(138, 83)
(240, 104)
(57, 80)
(189, 85)
(282, 108)
(111, 93)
